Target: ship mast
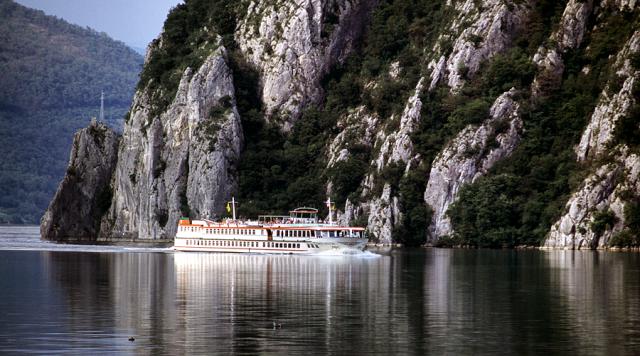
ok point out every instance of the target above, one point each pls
(233, 207)
(330, 214)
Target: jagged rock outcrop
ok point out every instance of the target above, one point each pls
(604, 189)
(357, 128)
(480, 30)
(384, 212)
(601, 191)
(294, 43)
(182, 162)
(468, 156)
(84, 194)
(610, 108)
(569, 35)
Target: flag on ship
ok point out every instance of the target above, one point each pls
(228, 207)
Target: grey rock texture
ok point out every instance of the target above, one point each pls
(569, 35)
(84, 193)
(293, 44)
(601, 191)
(180, 163)
(610, 108)
(468, 156)
(604, 189)
(384, 212)
(480, 30)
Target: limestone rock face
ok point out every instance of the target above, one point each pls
(293, 44)
(603, 190)
(569, 35)
(480, 30)
(84, 193)
(357, 128)
(180, 163)
(468, 156)
(610, 108)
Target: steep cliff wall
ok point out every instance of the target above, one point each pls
(84, 195)
(182, 162)
(294, 44)
(596, 212)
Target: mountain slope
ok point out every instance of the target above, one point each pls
(52, 74)
(439, 122)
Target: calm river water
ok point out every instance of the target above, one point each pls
(84, 299)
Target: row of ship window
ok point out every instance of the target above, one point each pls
(266, 244)
(277, 233)
(219, 231)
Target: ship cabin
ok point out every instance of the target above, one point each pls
(300, 216)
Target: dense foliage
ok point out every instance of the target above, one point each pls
(526, 193)
(278, 172)
(52, 74)
(189, 35)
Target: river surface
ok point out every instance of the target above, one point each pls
(57, 299)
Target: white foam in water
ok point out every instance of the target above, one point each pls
(347, 252)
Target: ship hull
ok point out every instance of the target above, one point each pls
(284, 246)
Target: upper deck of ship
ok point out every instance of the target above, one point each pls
(303, 218)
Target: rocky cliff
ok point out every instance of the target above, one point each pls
(180, 163)
(84, 194)
(470, 122)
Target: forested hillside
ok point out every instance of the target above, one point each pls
(483, 123)
(52, 74)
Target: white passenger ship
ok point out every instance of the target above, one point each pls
(299, 233)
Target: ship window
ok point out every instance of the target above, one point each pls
(288, 245)
(297, 245)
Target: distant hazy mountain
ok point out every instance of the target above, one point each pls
(140, 50)
(52, 74)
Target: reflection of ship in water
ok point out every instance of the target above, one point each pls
(244, 294)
